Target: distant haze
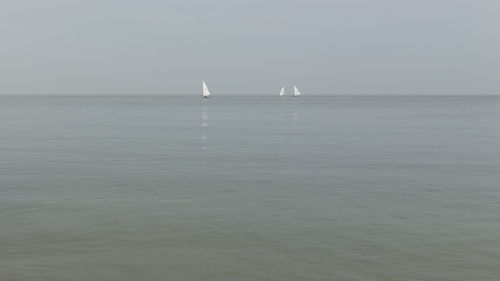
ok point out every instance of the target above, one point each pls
(249, 47)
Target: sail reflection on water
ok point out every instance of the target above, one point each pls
(204, 127)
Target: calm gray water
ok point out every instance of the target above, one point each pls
(249, 188)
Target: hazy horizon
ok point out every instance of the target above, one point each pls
(359, 47)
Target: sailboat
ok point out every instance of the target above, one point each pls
(296, 91)
(206, 92)
(282, 92)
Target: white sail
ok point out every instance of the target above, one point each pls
(206, 92)
(296, 92)
(282, 92)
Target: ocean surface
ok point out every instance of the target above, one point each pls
(249, 188)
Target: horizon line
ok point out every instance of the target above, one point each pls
(242, 95)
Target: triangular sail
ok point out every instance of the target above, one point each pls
(282, 92)
(206, 92)
(296, 92)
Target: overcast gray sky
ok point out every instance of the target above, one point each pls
(249, 46)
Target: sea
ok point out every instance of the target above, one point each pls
(131, 188)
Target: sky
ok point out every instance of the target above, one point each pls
(326, 47)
